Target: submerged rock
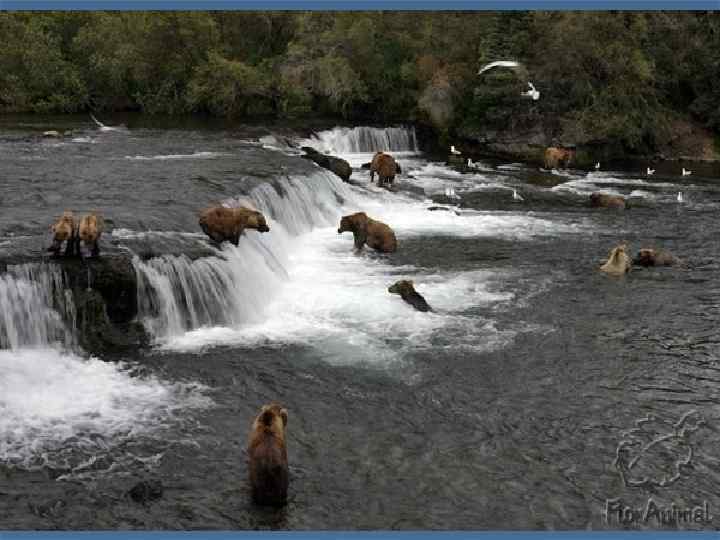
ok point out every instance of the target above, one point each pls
(334, 164)
(146, 491)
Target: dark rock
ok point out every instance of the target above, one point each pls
(112, 276)
(146, 491)
(334, 164)
(442, 208)
(96, 332)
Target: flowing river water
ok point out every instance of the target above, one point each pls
(537, 390)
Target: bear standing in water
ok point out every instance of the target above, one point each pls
(366, 230)
(651, 257)
(267, 456)
(618, 262)
(63, 231)
(406, 289)
(89, 231)
(603, 200)
(228, 224)
(558, 157)
(386, 168)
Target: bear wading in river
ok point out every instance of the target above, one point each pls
(63, 230)
(366, 230)
(652, 257)
(603, 200)
(228, 224)
(406, 289)
(618, 262)
(90, 229)
(386, 168)
(267, 456)
(556, 157)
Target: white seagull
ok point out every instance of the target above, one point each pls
(450, 193)
(517, 196)
(533, 93)
(650, 171)
(498, 63)
(686, 172)
(680, 197)
(103, 127)
(454, 152)
(597, 166)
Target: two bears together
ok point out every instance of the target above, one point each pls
(619, 262)
(80, 238)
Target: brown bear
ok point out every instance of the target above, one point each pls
(618, 262)
(63, 231)
(603, 200)
(385, 166)
(267, 456)
(406, 289)
(651, 257)
(366, 230)
(558, 157)
(221, 223)
(90, 229)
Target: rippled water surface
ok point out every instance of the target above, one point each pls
(536, 391)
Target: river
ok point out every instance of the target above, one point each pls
(537, 390)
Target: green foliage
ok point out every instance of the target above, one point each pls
(623, 77)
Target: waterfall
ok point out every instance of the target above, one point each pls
(36, 307)
(363, 139)
(177, 294)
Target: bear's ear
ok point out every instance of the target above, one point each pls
(284, 416)
(411, 283)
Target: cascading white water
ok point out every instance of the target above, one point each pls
(363, 139)
(36, 307)
(177, 294)
(50, 395)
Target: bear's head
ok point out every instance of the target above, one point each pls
(403, 287)
(255, 220)
(353, 222)
(645, 257)
(272, 417)
(63, 228)
(618, 255)
(90, 228)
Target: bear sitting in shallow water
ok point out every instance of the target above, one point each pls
(366, 230)
(603, 200)
(406, 289)
(651, 257)
(267, 456)
(618, 262)
(228, 224)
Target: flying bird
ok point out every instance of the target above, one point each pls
(680, 197)
(650, 171)
(597, 166)
(517, 196)
(498, 63)
(686, 172)
(454, 152)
